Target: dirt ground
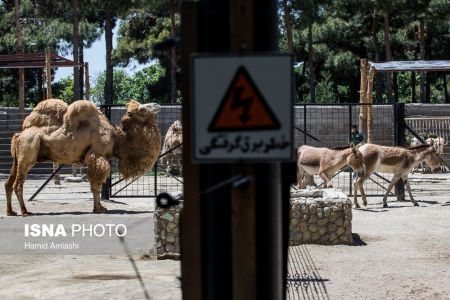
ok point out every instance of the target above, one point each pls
(403, 253)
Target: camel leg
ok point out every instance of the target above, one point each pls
(22, 172)
(9, 189)
(391, 185)
(97, 172)
(408, 187)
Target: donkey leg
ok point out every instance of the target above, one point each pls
(391, 185)
(355, 194)
(408, 187)
(9, 189)
(97, 173)
(363, 193)
(325, 178)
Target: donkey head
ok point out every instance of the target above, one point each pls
(356, 161)
(432, 159)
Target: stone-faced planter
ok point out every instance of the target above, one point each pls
(167, 241)
(320, 217)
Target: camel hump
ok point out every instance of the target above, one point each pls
(80, 111)
(47, 113)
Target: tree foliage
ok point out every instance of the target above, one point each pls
(345, 31)
(145, 86)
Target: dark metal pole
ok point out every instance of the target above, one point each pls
(400, 141)
(350, 121)
(106, 187)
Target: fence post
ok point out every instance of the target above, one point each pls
(350, 121)
(106, 187)
(304, 124)
(155, 171)
(399, 117)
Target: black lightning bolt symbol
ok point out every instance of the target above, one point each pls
(238, 102)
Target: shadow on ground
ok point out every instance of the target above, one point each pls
(303, 278)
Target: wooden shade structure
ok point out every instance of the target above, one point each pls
(44, 60)
(368, 71)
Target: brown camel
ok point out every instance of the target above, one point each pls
(81, 134)
(174, 138)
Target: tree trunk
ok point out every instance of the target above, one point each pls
(396, 96)
(75, 43)
(40, 82)
(428, 89)
(387, 48)
(413, 87)
(109, 47)
(173, 56)
(288, 24)
(81, 60)
(312, 85)
(376, 43)
(363, 96)
(447, 100)
(423, 75)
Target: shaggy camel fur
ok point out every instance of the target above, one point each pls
(394, 160)
(325, 162)
(47, 115)
(174, 137)
(86, 137)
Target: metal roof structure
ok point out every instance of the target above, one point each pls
(34, 60)
(417, 65)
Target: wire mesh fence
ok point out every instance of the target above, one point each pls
(437, 128)
(315, 125)
(166, 174)
(68, 177)
(329, 125)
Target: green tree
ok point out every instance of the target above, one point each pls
(144, 28)
(145, 86)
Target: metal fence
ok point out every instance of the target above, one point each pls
(435, 127)
(65, 183)
(160, 178)
(329, 125)
(316, 125)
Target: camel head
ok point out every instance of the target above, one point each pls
(138, 140)
(140, 114)
(177, 126)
